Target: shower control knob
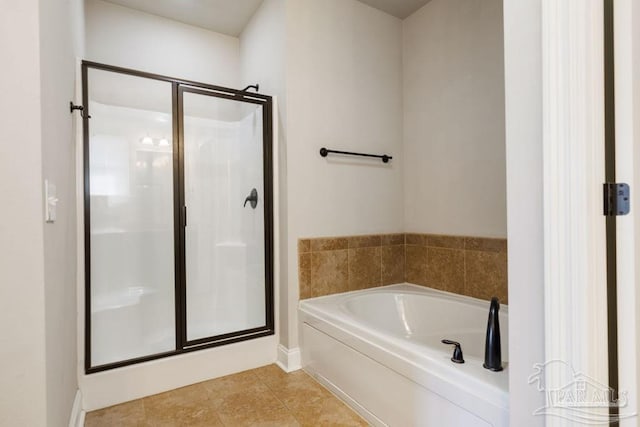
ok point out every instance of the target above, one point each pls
(252, 198)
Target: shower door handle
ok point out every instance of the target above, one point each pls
(252, 198)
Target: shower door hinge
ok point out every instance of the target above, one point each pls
(616, 198)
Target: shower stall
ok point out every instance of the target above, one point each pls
(178, 216)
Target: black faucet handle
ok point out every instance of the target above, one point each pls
(493, 346)
(457, 351)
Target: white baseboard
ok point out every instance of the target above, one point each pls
(76, 419)
(115, 386)
(289, 359)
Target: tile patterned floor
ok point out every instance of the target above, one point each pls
(265, 396)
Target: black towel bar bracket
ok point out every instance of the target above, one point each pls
(256, 87)
(80, 108)
(325, 151)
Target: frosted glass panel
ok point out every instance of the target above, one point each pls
(224, 240)
(131, 217)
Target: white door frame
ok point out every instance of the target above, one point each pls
(627, 103)
(574, 226)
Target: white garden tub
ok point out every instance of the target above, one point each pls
(380, 350)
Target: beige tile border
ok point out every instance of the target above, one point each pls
(467, 265)
(329, 265)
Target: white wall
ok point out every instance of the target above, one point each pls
(22, 332)
(344, 91)
(37, 292)
(263, 51)
(523, 106)
(454, 177)
(120, 36)
(263, 61)
(60, 45)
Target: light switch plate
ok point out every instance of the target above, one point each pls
(50, 201)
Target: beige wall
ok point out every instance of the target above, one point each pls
(344, 91)
(454, 175)
(61, 43)
(22, 332)
(522, 23)
(120, 36)
(263, 60)
(37, 261)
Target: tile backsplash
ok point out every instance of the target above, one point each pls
(473, 266)
(339, 264)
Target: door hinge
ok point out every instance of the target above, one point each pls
(616, 198)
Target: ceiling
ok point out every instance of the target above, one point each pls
(231, 16)
(222, 16)
(398, 8)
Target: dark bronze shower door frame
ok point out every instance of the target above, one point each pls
(178, 87)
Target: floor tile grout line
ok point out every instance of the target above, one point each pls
(291, 412)
(284, 404)
(331, 396)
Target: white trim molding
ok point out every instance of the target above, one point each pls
(574, 226)
(289, 359)
(76, 419)
(108, 388)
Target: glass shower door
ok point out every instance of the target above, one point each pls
(178, 201)
(224, 227)
(129, 218)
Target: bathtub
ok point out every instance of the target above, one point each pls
(380, 351)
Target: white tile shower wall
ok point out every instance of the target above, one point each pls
(224, 237)
(131, 226)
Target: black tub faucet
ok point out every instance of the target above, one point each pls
(492, 347)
